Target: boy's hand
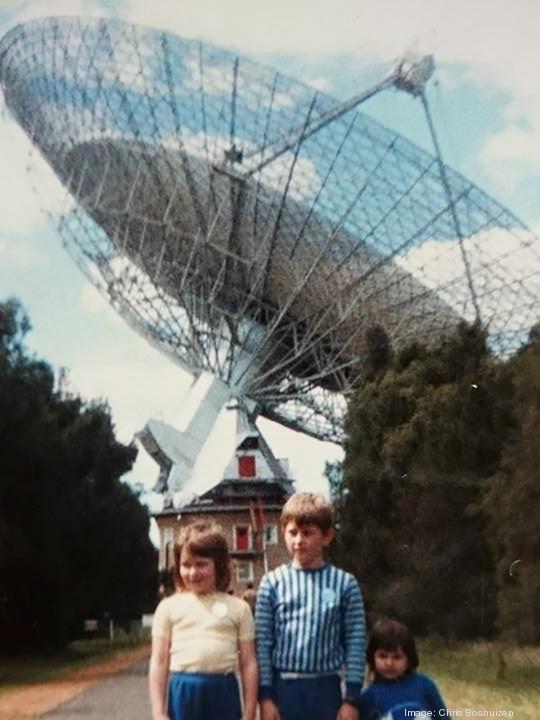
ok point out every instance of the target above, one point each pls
(347, 712)
(269, 710)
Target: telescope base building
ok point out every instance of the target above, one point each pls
(247, 504)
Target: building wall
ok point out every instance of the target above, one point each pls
(241, 561)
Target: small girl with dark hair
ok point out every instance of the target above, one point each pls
(199, 634)
(397, 690)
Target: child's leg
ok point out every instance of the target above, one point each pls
(201, 696)
(314, 698)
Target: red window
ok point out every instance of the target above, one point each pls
(246, 466)
(242, 538)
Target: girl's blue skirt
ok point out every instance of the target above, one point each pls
(204, 696)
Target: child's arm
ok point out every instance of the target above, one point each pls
(354, 625)
(250, 678)
(264, 622)
(157, 677)
(264, 625)
(437, 706)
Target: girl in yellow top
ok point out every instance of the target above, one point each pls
(201, 635)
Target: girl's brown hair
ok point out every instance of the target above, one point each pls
(207, 540)
(391, 635)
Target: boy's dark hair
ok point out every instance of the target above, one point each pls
(307, 508)
(391, 635)
(207, 540)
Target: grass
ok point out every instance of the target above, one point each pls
(485, 676)
(26, 669)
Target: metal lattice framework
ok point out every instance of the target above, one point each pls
(253, 227)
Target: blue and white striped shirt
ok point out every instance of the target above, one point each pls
(310, 621)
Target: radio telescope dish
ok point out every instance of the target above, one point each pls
(252, 227)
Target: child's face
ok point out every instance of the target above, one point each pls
(306, 543)
(198, 573)
(390, 664)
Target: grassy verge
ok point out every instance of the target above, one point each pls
(476, 677)
(27, 669)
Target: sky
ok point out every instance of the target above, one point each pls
(485, 99)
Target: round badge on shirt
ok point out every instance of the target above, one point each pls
(329, 597)
(219, 609)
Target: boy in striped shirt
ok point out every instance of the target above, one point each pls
(309, 623)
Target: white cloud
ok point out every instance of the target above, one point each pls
(319, 83)
(304, 182)
(94, 303)
(37, 9)
(494, 41)
(218, 80)
(138, 384)
(505, 271)
(15, 251)
(511, 155)
(20, 210)
(492, 35)
(27, 183)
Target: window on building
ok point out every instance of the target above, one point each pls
(246, 466)
(167, 540)
(270, 534)
(244, 571)
(242, 537)
(168, 535)
(251, 442)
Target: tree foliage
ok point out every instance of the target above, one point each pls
(73, 538)
(511, 504)
(428, 436)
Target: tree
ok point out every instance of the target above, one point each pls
(73, 537)
(511, 504)
(422, 434)
(333, 471)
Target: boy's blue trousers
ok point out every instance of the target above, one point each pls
(308, 698)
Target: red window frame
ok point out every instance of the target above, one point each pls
(241, 537)
(246, 466)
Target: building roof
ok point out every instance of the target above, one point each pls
(270, 484)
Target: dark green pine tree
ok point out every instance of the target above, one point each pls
(73, 537)
(511, 504)
(422, 433)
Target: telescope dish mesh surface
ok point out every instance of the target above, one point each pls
(244, 234)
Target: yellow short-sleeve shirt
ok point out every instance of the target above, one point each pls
(203, 631)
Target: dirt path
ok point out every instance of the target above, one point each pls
(33, 701)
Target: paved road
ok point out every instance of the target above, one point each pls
(123, 696)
